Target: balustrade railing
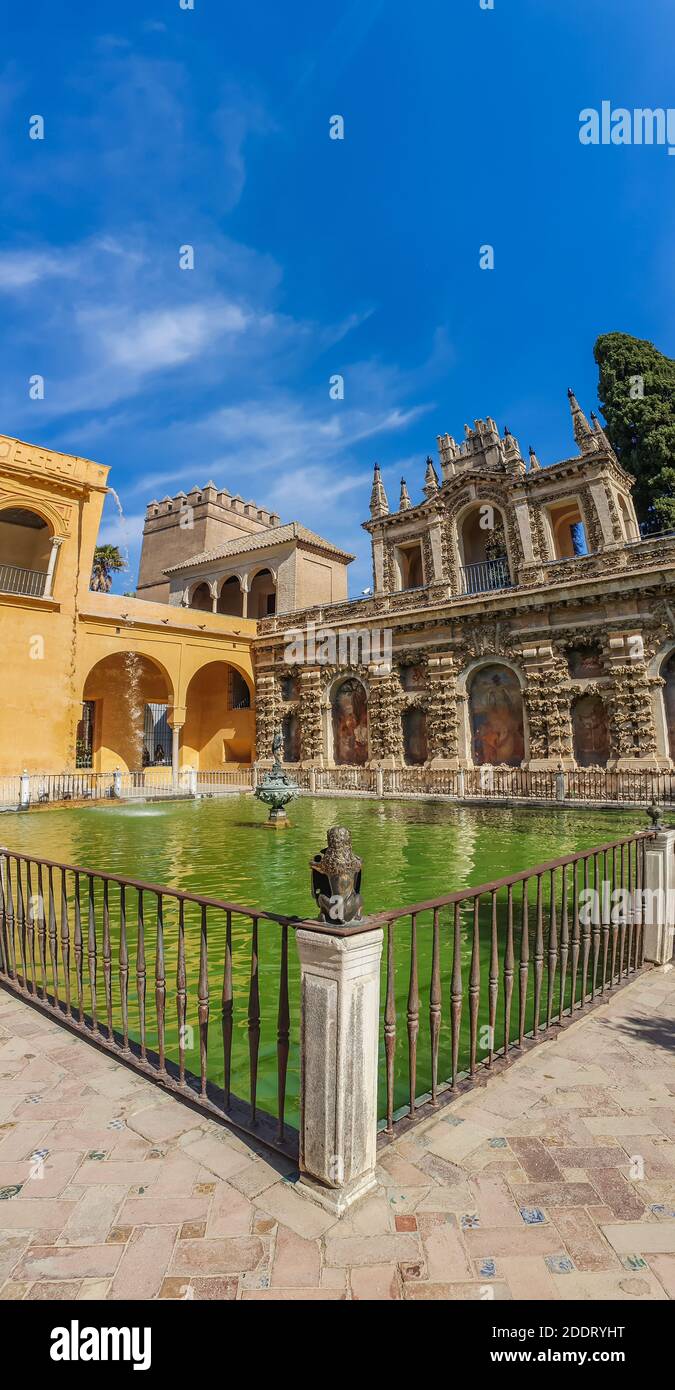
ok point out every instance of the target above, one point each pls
(169, 981)
(14, 579)
(485, 576)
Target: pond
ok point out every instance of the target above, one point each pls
(411, 851)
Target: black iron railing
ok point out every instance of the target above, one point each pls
(487, 575)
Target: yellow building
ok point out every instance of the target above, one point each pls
(101, 680)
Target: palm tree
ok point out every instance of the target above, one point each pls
(107, 561)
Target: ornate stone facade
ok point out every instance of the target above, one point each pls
(538, 573)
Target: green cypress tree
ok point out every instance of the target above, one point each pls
(637, 397)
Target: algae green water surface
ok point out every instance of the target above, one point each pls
(411, 851)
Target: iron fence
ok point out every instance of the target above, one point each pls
(168, 981)
(499, 964)
(14, 579)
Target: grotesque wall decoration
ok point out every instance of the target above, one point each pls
(668, 675)
(496, 713)
(591, 731)
(349, 711)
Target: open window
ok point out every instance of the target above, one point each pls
(568, 533)
(410, 565)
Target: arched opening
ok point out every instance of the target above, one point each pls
(290, 728)
(25, 549)
(483, 551)
(201, 599)
(127, 698)
(410, 566)
(349, 716)
(415, 740)
(263, 596)
(568, 532)
(668, 676)
(496, 717)
(590, 731)
(219, 724)
(628, 522)
(230, 598)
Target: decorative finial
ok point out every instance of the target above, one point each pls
(583, 433)
(404, 502)
(534, 461)
(379, 505)
(654, 813)
(430, 479)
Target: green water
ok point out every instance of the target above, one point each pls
(412, 851)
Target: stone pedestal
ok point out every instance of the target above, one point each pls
(340, 991)
(659, 901)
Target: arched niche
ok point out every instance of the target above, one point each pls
(25, 539)
(290, 728)
(262, 599)
(415, 736)
(231, 598)
(483, 548)
(347, 722)
(590, 731)
(200, 598)
(496, 716)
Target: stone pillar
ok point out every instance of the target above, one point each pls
(117, 783)
(175, 752)
(57, 542)
(24, 794)
(254, 776)
(244, 601)
(312, 779)
(560, 786)
(659, 901)
(461, 789)
(379, 782)
(340, 1011)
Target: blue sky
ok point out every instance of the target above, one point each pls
(315, 257)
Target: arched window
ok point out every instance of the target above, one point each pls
(201, 599)
(496, 715)
(349, 713)
(263, 596)
(590, 730)
(668, 675)
(415, 742)
(483, 550)
(25, 548)
(230, 598)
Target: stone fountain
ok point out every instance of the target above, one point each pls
(276, 788)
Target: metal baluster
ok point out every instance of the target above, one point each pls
(538, 956)
(623, 923)
(606, 900)
(254, 1018)
(42, 933)
(596, 927)
(203, 999)
(65, 941)
(413, 1014)
(390, 1028)
(79, 975)
(107, 961)
(552, 951)
(227, 1013)
(474, 987)
(435, 999)
(564, 943)
(21, 924)
(160, 986)
(53, 947)
(9, 914)
(493, 978)
(639, 924)
(524, 963)
(30, 927)
(284, 1029)
(181, 991)
(124, 967)
(508, 969)
(141, 971)
(91, 952)
(586, 943)
(614, 925)
(456, 993)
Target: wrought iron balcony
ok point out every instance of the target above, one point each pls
(488, 574)
(16, 580)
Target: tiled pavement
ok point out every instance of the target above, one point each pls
(555, 1180)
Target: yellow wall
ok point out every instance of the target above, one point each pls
(50, 646)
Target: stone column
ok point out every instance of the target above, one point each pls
(659, 901)
(340, 1011)
(57, 542)
(24, 795)
(442, 712)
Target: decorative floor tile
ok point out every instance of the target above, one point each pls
(532, 1216)
(497, 1143)
(6, 1193)
(633, 1262)
(560, 1264)
(487, 1269)
(470, 1221)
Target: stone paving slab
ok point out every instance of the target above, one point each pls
(553, 1180)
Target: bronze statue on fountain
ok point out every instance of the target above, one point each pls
(276, 788)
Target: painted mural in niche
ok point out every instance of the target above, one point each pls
(585, 662)
(496, 714)
(415, 741)
(668, 674)
(590, 731)
(412, 677)
(290, 729)
(349, 711)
